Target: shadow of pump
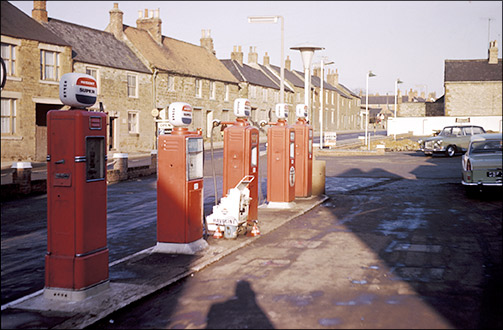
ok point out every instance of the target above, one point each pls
(239, 312)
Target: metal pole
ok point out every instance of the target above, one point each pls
(282, 82)
(396, 88)
(321, 105)
(366, 108)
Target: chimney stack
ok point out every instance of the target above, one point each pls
(115, 24)
(207, 41)
(151, 23)
(288, 63)
(333, 78)
(252, 56)
(266, 59)
(493, 52)
(39, 12)
(237, 55)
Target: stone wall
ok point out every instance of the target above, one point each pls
(28, 89)
(112, 85)
(412, 109)
(473, 98)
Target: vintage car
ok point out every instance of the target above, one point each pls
(450, 141)
(482, 162)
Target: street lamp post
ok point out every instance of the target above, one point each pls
(307, 52)
(322, 66)
(369, 74)
(274, 19)
(398, 81)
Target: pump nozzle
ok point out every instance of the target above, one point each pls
(216, 122)
(262, 123)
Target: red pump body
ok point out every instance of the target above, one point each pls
(303, 158)
(180, 187)
(77, 253)
(281, 162)
(241, 158)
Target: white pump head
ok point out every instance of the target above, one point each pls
(78, 90)
(282, 110)
(301, 110)
(180, 114)
(242, 108)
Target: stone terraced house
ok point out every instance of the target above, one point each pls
(474, 87)
(181, 72)
(35, 58)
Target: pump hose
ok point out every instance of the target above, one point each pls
(259, 183)
(213, 167)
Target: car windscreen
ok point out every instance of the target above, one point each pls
(488, 146)
(472, 130)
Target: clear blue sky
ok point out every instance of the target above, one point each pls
(409, 40)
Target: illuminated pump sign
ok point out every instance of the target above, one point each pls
(180, 114)
(301, 110)
(282, 110)
(242, 108)
(78, 90)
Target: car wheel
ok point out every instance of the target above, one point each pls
(450, 151)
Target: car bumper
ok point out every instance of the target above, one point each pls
(483, 184)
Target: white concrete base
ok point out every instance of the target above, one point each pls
(280, 205)
(75, 295)
(180, 248)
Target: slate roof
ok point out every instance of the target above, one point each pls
(96, 47)
(348, 91)
(290, 76)
(249, 74)
(472, 70)
(274, 78)
(15, 23)
(178, 56)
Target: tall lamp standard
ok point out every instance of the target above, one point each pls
(398, 81)
(369, 74)
(322, 64)
(274, 19)
(307, 52)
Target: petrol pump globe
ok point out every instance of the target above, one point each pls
(282, 110)
(78, 90)
(180, 114)
(242, 108)
(301, 110)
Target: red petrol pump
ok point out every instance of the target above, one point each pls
(180, 185)
(303, 153)
(241, 155)
(76, 263)
(280, 160)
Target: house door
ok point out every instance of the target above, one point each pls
(112, 133)
(41, 111)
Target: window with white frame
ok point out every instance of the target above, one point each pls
(333, 95)
(49, 65)
(171, 83)
(226, 87)
(298, 97)
(253, 92)
(8, 121)
(199, 88)
(276, 96)
(132, 85)
(94, 72)
(264, 94)
(133, 122)
(9, 57)
(212, 90)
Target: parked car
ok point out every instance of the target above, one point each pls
(451, 140)
(482, 163)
